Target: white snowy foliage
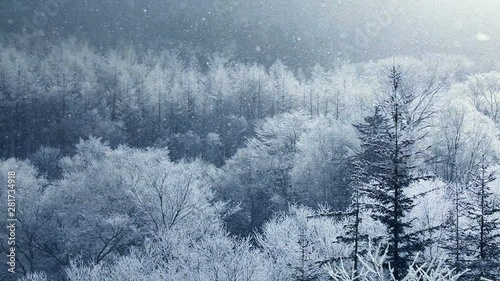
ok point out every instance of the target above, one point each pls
(431, 211)
(297, 243)
(374, 267)
(321, 158)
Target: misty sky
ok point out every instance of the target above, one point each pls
(298, 32)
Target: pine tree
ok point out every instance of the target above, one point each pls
(455, 229)
(483, 212)
(388, 150)
(307, 269)
(352, 235)
(375, 125)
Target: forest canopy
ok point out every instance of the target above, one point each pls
(249, 140)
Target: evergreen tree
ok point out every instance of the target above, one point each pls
(483, 238)
(388, 150)
(455, 226)
(375, 125)
(353, 235)
(370, 165)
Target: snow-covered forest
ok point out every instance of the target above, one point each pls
(198, 163)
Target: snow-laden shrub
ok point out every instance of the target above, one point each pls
(374, 267)
(297, 242)
(35, 276)
(79, 272)
(202, 251)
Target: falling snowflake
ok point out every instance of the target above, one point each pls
(482, 37)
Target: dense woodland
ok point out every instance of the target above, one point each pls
(150, 166)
